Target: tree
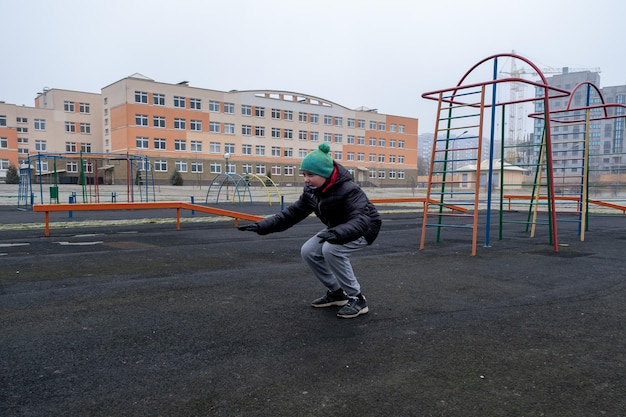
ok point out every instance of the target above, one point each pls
(176, 178)
(12, 175)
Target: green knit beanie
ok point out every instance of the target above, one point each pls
(319, 162)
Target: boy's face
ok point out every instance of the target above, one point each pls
(313, 180)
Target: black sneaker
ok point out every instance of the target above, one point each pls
(354, 308)
(332, 298)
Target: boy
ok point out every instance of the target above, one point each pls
(352, 223)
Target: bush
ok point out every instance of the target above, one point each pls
(176, 178)
(12, 175)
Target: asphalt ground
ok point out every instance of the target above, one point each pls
(107, 318)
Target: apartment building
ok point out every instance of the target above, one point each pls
(203, 133)
(606, 135)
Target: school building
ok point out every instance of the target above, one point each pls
(201, 133)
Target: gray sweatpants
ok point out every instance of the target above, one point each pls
(331, 263)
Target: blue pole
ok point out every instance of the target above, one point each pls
(193, 212)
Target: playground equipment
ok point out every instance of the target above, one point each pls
(471, 108)
(575, 170)
(241, 186)
(554, 174)
(87, 170)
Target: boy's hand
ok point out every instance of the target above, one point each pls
(327, 236)
(252, 227)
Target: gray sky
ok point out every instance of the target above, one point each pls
(379, 54)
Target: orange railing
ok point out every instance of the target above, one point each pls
(47, 208)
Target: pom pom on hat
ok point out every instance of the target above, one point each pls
(319, 162)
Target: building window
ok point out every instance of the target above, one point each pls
(179, 102)
(259, 111)
(372, 125)
(246, 110)
(275, 113)
(158, 121)
(141, 97)
(401, 144)
(302, 117)
(381, 142)
(215, 147)
(302, 152)
(180, 166)
(288, 115)
(381, 158)
(339, 121)
(84, 108)
(229, 148)
(3, 121)
(288, 133)
(40, 145)
(350, 122)
(392, 143)
(360, 157)
(229, 128)
(338, 155)
(197, 167)
(275, 170)
(246, 150)
(372, 157)
(229, 108)
(328, 120)
(70, 127)
(214, 106)
(259, 150)
(158, 99)
(160, 165)
(338, 138)
(141, 142)
(350, 156)
(401, 128)
(85, 128)
(259, 131)
(392, 128)
(361, 124)
(180, 124)
(40, 124)
(275, 133)
(215, 168)
(302, 134)
(382, 126)
(372, 141)
(195, 103)
(314, 118)
(350, 140)
(195, 125)
(21, 130)
(276, 151)
(180, 145)
(328, 137)
(68, 106)
(160, 143)
(196, 146)
(214, 127)
(246, 130)
(71, 167)
(4, 143)
(246, 169)
(141, 120)
(288, 152)
(260, 169)
(361, 140)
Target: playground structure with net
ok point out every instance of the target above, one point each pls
(87, 170)
(462, 183)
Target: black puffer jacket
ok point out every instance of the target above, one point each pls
(342, 206)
